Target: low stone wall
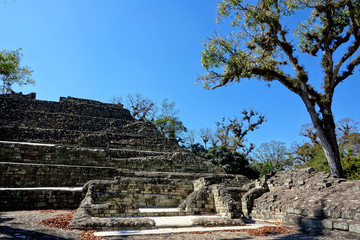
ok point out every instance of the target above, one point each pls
(310, 199)
(32, 199)
(41, 175)
(125, 195)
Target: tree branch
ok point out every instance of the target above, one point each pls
(352, 49)
(349, 71)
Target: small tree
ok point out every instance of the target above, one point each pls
(260, 48)
(140, 107)
(232, 132)
(11, 72)
(206, 134)
(168, 122)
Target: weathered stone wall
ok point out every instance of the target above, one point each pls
(124, 196)
(53, 154)
(176, 162)
(76, 121)
(31, 199)
(69, 106)
(225, 204)
(72, 155)
(139, 193)
(44, 175)
(310, 199)
(87, 138)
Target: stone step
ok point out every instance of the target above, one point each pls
(42, 153)
(180, 221)
(179, 175)
(44, 175)
(182, 224)
(59, 120)
(163, 163)
(40, 198)
(103, 139)
(158, 212)
(120, 153)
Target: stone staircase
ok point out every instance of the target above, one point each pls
(125, 165)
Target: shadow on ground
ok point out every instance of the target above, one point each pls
(15, 233)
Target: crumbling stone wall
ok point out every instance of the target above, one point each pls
(310, 199)
(212, 195)
(147, 192)
(124, 197)
(30, 199)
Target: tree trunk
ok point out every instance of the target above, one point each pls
(325, 129)
(331, 149)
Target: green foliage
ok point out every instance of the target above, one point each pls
(311, 154)
(168, 122)
(272, 157)
(230, 161)
(263, 168)
(197, 149)
(11, 72)
(351, 166)
(318, 160)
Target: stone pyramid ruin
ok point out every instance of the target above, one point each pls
(120, 173)
(50, 150)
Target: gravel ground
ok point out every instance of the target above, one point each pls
(23, 225)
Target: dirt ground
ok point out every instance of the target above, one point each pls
(25, 225)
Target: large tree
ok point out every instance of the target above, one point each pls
(262, 47)
(12, 72)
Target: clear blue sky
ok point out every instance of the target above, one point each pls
(100, 49)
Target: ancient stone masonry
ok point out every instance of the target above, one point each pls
(124, 197)
(307, 198)
(70, 142)
(77, 141)
(96, 157)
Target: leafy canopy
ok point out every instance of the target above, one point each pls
(260, 47)
(11, 72)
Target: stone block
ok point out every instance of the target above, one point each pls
(41, 204)
(297, 211)
(311, 223)
(341, 225)
(292, 219)
(357, 216)
(354, 226)
(327, 223)
(315, 213)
